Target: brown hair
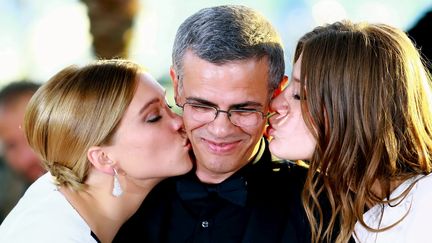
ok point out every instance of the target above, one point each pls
(76, 109)
(369, 105)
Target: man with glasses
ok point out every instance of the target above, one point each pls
(238, 116)
(227, 63)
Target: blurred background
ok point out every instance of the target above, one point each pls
(39, 37)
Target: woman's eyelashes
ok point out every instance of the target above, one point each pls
(168, 104)
(157, 113)
(153, 117)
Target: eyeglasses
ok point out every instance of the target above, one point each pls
(239, 117)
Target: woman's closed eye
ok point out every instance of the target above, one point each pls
(296, 96)
(157, 113)
(153, 116)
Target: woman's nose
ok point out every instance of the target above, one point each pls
(175, 120)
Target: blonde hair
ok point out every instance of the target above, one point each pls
(368, 99)
(77, 108)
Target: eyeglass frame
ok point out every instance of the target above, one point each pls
(228, 112)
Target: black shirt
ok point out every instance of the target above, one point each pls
(95, 237)
(259, 203)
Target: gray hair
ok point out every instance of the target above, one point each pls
(227, 33)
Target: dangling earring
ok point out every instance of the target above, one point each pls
(117, 191)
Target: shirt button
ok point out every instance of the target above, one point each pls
(205, 224)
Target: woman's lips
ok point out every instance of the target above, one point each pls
(187, 144)
(270, 131)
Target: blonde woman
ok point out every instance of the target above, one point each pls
(358, 110)
(107, 137)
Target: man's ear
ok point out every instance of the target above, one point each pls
(175, 82)
(100, 160)
(281, 86)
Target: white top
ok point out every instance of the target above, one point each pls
(415, 227)
(43, 215)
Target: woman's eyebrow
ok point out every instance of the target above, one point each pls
(153, 101)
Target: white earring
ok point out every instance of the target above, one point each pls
(117, 191)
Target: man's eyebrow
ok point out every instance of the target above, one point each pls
(246, 104)
(200, 101)
(233, 106)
